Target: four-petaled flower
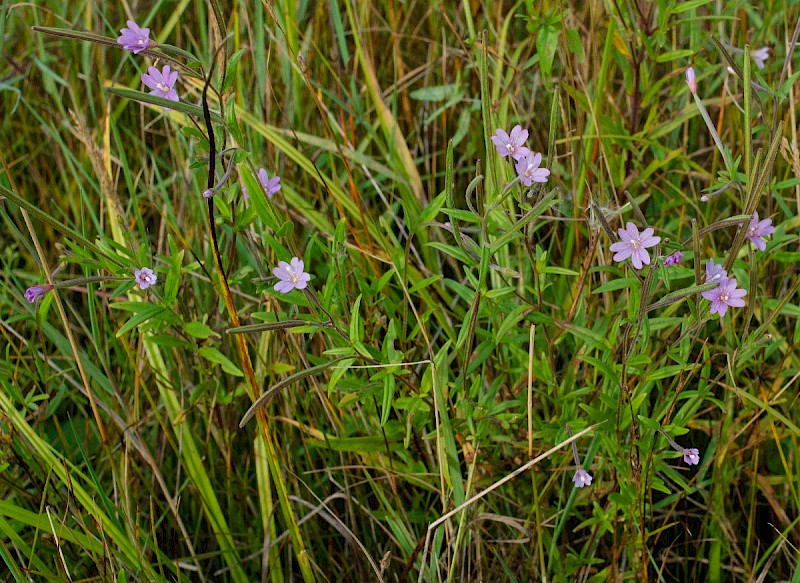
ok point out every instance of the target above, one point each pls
(691, 80)
(36, 292)
(725, 295)
(528, 169)
(759, 56)
(270, 185)
(715, 272)
(634, 245)
(133, 38)
(161, 82)
(511, 145)
(582, 478)
(759, 229)
(145, 277)
(674, 259)
(291, 275)
(691, 456)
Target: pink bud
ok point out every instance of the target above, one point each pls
(691, 81)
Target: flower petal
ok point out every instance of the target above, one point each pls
(623, 255)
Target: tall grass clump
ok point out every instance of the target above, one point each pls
(399, 291)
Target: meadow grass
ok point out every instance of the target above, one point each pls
(412, 414)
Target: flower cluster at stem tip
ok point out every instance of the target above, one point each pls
(161, 83)
(527, 162)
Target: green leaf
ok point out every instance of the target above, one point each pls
(233, 65)
(173, 279)
(674, 55)
(140, 318)
(615, 284)
(215, 356)
(199, 330)
(259, 201)
(546, 46)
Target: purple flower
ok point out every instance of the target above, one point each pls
(528, 169)
(674, 259)
(691, 456)
(715, 272)
(582, 478)
(133, 38)
(759, 229)
(511, 145)
(725, 295)
(691, 81)
(291, 276)
(161, 82)
(208, 193)
(37, 292)
(759, 56)
(634, 245)
(271, 185)
(145, 277)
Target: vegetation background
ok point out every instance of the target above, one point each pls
(424, 370)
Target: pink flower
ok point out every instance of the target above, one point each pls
(674, 259)
(291, 276)
(161, 82)
(582, 478)
(37, 292)
(133, 38)
(759, 229)
(691, 81)
(528, 169)
(270, 185)
(511, 145)
(725, 295)
(715, 272)
(691, 456)
(145, 277)
(634, 245)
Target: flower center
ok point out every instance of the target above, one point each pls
(510, 148)
(635, 244)
(723, 297)
(162, 87)
(140, 41)
(295, 277)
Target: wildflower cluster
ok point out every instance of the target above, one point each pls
(527, 162)
(161, 83)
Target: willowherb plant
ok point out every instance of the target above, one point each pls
(449, 322)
